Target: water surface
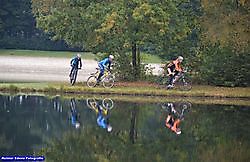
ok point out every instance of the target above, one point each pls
(67, 130)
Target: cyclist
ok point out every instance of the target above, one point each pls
(173, 122)
(103, 119)
(106, 63)
(74, 116)
(173, 69)
(75, 63)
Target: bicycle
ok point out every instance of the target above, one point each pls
(182, 82)
(179, 108)
(107, 79)
(107, 104)
(73, 76)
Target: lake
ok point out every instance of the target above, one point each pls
(106, 129)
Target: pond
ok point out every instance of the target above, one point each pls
(106, 129)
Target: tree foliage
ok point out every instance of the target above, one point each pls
(227, 23)
(113, 26)
(18, 28)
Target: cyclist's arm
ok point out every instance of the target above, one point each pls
(71, 62)
(169, 71)
(80, 61)
(109, 67)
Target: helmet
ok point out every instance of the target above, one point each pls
(180, 58)
(178, 132)
(111, 57)
(77, 125)
(78, 55)
(109, 128)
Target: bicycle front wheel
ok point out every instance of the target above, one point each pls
(108, 82)
(91, 81)
(186, 85)
(108, 103)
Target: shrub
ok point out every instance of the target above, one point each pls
(222, 66)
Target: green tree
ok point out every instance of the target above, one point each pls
(113, 26)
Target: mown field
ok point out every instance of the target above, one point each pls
(146, 58)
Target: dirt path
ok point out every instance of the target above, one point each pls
(18, 68)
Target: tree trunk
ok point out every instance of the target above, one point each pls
(138, 62)
(134, 55)
(133, 132)
(134, 60)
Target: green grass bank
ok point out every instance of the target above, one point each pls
(131, 89)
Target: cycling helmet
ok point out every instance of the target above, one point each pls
(109, 128)
(77, 125)
(78, 55)
(111, 57)
(180, 58)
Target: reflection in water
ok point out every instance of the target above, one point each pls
(138, 133)
(102, 109)
(175, 114)
(74, 115)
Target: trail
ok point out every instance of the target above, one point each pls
(41, 69)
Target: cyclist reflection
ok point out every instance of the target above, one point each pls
(102, 110)
(174, 117)
(74, 115)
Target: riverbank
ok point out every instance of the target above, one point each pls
(131, 89)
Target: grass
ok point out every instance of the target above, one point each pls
(36, 53)
(138, 99)
(146, 58)
(129, 89)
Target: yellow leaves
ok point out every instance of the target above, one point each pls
(43, 7)
(242, 2)
(126, 45)
(226, 25)
(109, 23)
(140, 12)
(99, 39)
(162, 31)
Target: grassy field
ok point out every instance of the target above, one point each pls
(146, 58)
(35, 53)
(133, 89)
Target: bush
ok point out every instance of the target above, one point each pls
(124, 70)
(222, 66)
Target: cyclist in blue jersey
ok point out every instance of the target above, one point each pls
(75, 63)
(106, 63)
(103, 120)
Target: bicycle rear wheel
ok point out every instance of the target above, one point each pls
(73, 77)
(108, 82)
(91, 81)
(107, 103)
(90, 102)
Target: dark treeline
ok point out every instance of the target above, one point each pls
(18, 28)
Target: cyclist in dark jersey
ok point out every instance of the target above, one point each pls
(74, 115)
(75, 63)
(173, 120)
(173, 69)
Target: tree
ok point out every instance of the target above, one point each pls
(18, 28)
(113, 26)
(227, 23)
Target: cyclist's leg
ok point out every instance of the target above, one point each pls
(101, 72)
(170, 81)
(176, 76)
(73, 67)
